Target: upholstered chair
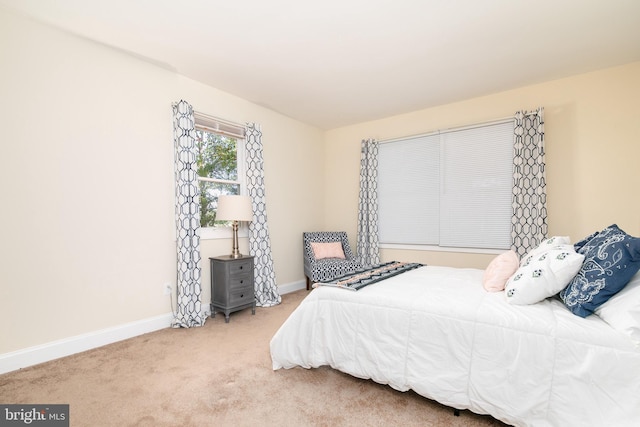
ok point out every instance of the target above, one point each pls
(329, 263)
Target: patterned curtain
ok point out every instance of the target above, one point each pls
(266, 291)
(189, 289)
(367, 250)
(529, 221)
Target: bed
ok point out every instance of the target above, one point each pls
(438, 331)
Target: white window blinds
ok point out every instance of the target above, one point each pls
(408, 189)
(216, 125)
(451, 189)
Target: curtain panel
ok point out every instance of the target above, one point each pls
(187, 198)
(367, 249)
(529, 222)
(266, 290)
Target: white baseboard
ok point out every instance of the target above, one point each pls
(292, 287)
(65, 347)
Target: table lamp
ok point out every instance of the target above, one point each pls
(236, 209)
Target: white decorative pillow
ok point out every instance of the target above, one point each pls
(323, 250)
(622, 311)
(545, 246)
(499, 270)
(544, 275)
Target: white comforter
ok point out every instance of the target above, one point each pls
(437, 331)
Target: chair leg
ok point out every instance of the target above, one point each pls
(308, 282)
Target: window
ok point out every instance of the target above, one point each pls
(449, 189)
(220, 171)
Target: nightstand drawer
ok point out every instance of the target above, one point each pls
(241, 296)
(240, 281)
(241, 268)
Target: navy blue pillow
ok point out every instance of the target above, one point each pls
(578, 245)
(612, 257)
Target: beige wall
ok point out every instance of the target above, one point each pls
(87, 218)
(592, 130)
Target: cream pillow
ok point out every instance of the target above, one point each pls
(323, 250)
(544, 275)
(499, 270)
(622, 311)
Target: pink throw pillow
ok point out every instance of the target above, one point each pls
(499, 270)
(327, 250)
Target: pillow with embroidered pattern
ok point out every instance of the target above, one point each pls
(544, 275)
(543, 247)
(581, 243)
(612, 257)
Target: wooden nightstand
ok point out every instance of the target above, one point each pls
(232, 285)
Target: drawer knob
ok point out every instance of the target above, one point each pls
(241, 267)
(241, 281)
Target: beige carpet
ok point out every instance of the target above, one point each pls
(217, 375)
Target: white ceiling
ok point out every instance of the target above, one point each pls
(331, 63)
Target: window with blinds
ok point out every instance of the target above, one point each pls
(220, 168)
(450, 189)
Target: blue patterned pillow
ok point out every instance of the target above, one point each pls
(578, 245)
(612, 257)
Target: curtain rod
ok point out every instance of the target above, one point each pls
(457, 128)
(451, 129)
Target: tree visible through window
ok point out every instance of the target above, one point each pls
(217, 171)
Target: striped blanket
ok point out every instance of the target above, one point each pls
(361, 278)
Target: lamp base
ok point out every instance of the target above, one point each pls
(235, 252)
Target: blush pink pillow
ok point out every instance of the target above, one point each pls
(499, 270)
(327, 250)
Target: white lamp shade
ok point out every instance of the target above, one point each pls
(234, 208)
